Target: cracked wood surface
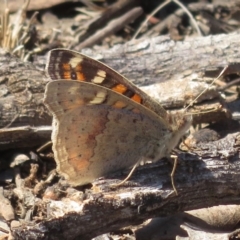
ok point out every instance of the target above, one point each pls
(207, 177)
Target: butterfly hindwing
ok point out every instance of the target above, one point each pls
(90, 127)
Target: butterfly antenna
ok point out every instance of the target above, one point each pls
(200, 94)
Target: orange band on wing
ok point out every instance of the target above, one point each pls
(119, 104)
(119, 88)
(80, 76)
(136, 98)
(66, 66)
(67, 75)
(78, 71)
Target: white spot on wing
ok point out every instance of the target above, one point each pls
(75, 61)
(99, 98)
(99, 78)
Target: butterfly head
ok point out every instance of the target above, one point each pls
(180, 123)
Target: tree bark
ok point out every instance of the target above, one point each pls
(204, 178)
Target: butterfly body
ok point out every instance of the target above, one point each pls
(99, 128)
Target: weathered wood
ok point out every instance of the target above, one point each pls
(204, 178)
(155, 60)
(23, 115)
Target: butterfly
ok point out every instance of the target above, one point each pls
(102, 122)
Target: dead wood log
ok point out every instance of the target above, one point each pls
(23, 116)
(160, 59)
(206, 177)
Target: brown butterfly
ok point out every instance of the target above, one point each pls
(102, 122)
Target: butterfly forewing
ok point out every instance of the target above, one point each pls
(71, 65)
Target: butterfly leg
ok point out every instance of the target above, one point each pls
(175, 158)
(128, 176)
(186, 145)
(44, 146)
